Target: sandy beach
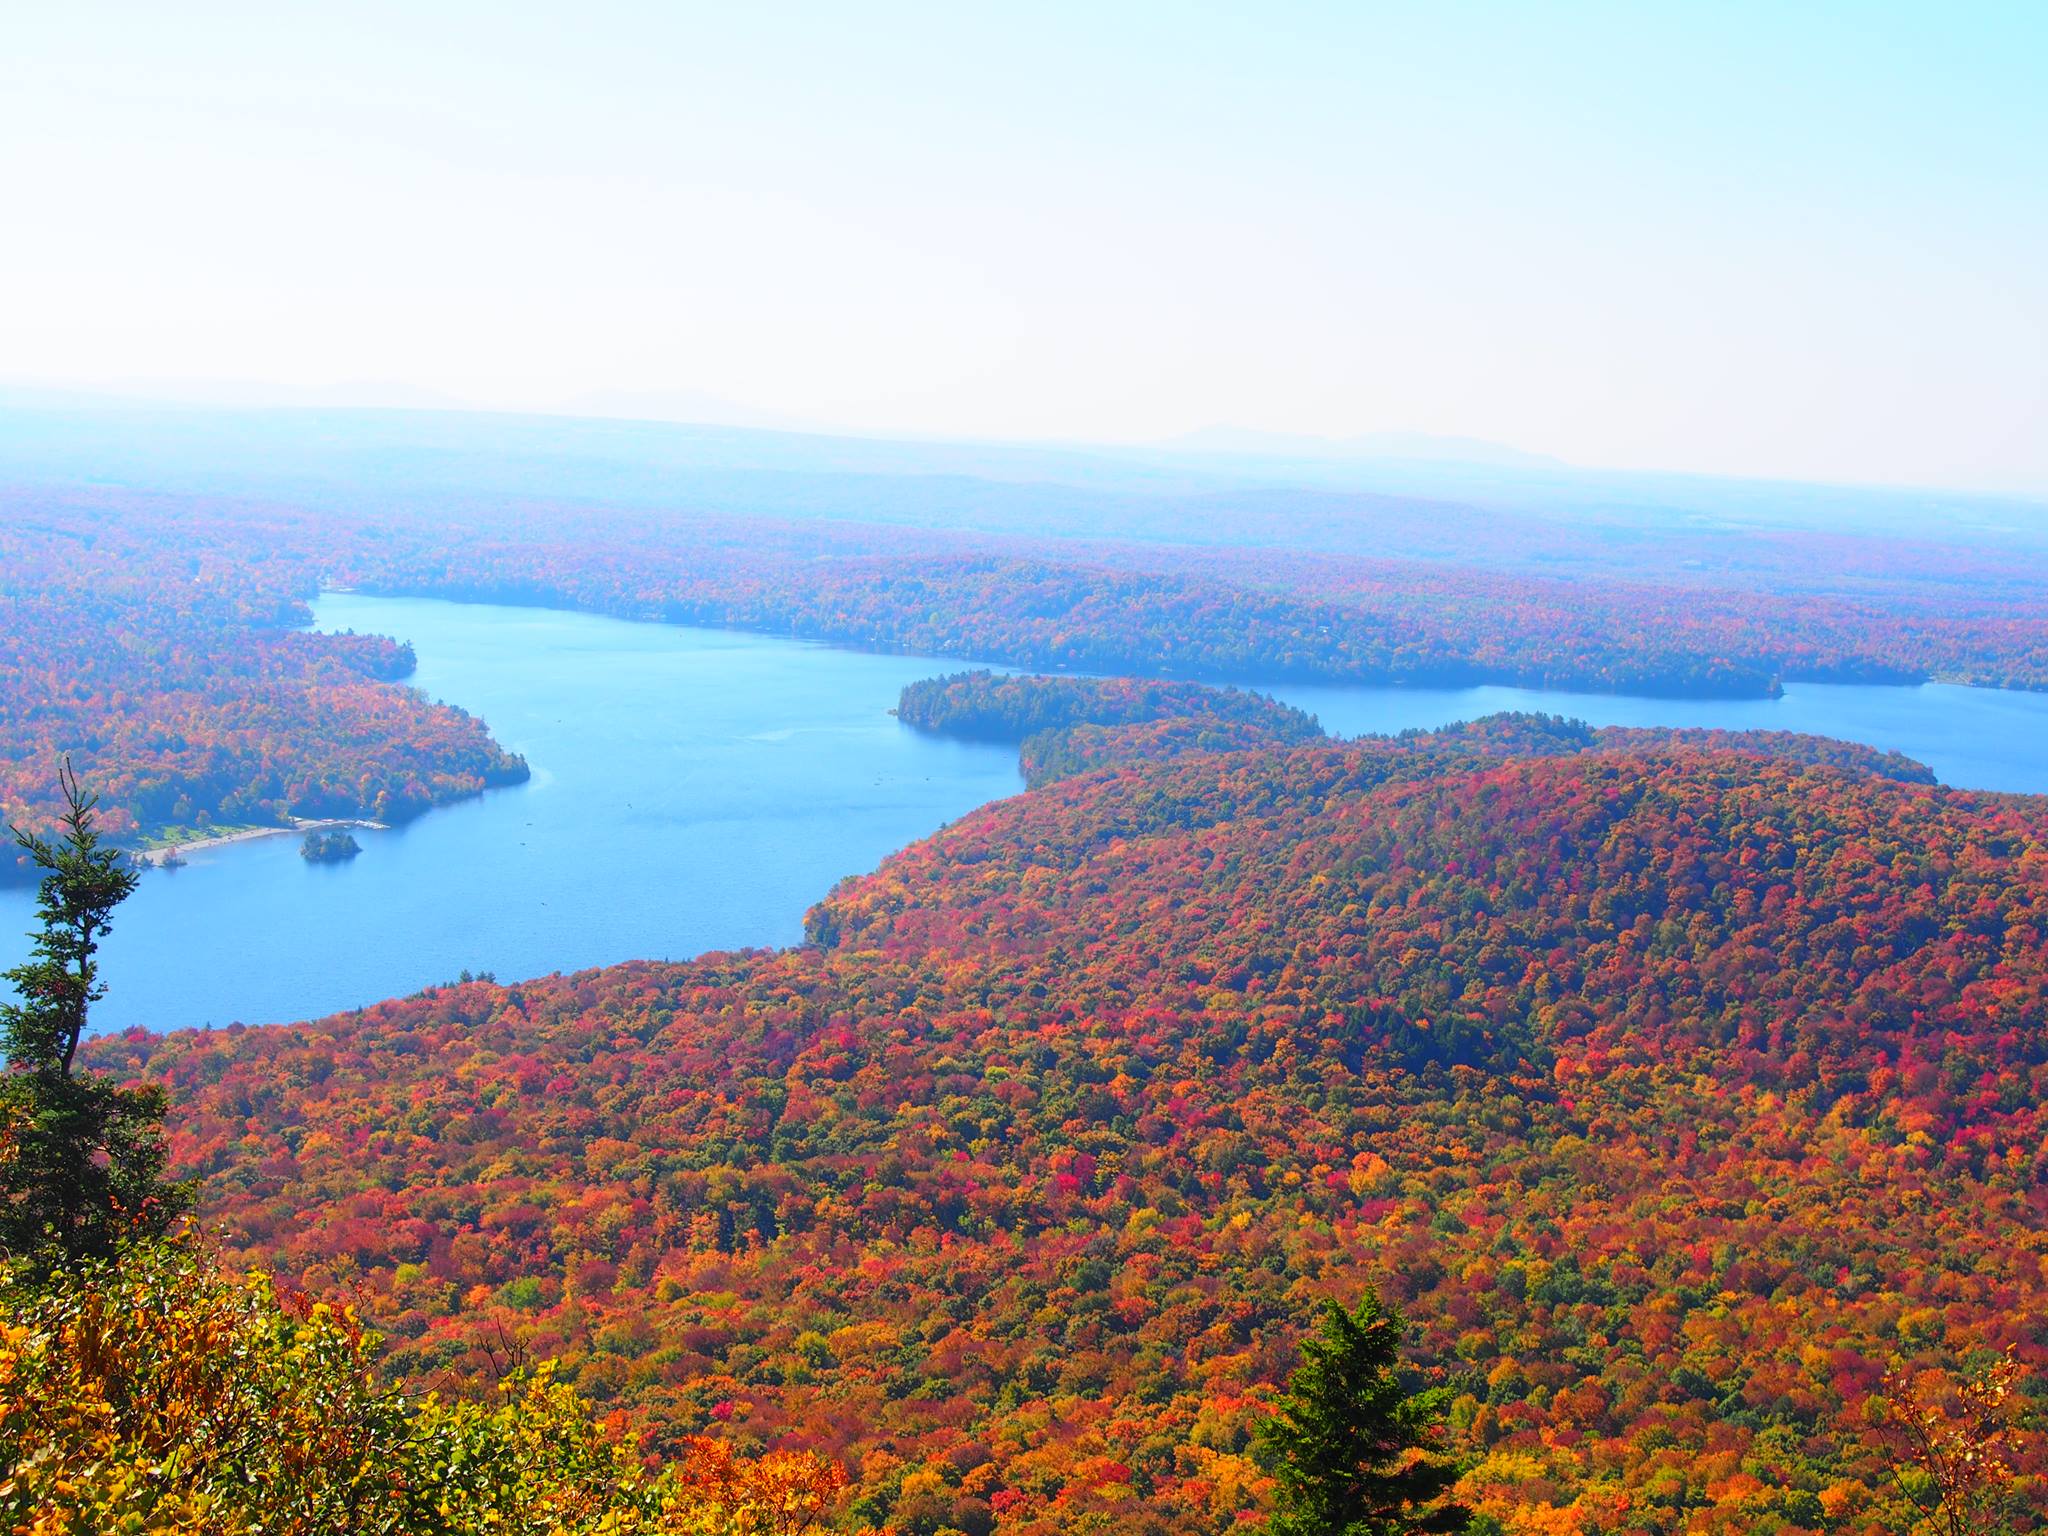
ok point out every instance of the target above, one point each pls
(250, 834)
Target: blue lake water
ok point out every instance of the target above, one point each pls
(1974, 738)
(697, 789)
(692, 790)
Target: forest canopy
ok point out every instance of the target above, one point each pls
(1645, 1082)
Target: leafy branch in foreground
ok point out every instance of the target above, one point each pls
(1954, 1447)
(151, 1393)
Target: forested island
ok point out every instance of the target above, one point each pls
(333, 846)
(992, 706)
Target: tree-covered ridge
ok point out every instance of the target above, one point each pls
(1676, 1097)
(993, 706)
(1796, 746)
(1060, 754)
(1229, 614)
(180, 685)
(1069, 725)
(1517, 733)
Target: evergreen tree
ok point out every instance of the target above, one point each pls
(81, 1158)
(1351, 1448)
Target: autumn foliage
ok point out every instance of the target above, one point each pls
(156, 1394)
(1678, 1094)
(1069, 725)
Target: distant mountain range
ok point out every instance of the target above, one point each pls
(1430, 447)
(634, 451)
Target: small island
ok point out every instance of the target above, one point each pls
(328, 847)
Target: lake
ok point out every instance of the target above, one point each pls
(699, 789)
(1974, 738)
(692, 789)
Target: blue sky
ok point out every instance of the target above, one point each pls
(1792, 240)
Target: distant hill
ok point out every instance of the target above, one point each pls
(1389, 494)
(1425, 446)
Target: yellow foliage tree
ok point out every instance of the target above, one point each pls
(150, 1395)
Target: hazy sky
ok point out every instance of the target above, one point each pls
(1787, 239)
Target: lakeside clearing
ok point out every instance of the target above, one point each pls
(159, 849)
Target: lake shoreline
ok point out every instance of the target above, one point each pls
(702, 788)
(159, 857)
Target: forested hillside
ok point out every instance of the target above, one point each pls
(1678, 1093)
(1222, 614)
(182, 687)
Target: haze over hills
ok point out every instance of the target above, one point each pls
(1179, 492)
(1426, 446)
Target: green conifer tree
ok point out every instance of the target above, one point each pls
(81, 1157)
(1352, 1450)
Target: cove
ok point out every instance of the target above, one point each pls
(692, 789)
(698, 789)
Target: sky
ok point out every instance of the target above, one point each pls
(1787, 240)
